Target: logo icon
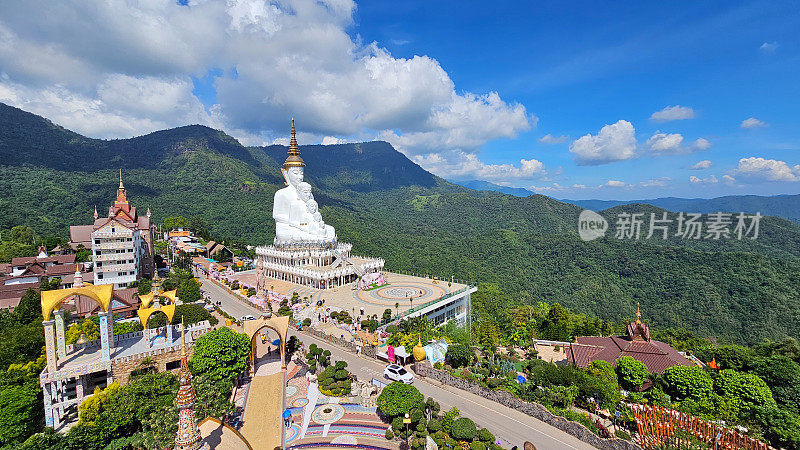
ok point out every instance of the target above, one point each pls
(591, 225)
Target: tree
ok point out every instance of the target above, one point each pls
(189, 291)
(781, 427)
(464, 429)
(21, 234)
(144, 286)
(745, 389)
(733, 357)
(459, 355)
(604, 371)
(11, 249)
(29, 309)
(631, 373)
(782, 375)
(171, 223)
(557, 324)
(220, 354)
(683, 382)
(22, 412)
(397, 399)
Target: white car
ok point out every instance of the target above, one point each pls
(248, 317)
(397, 373)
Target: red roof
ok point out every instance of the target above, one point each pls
(656, 355)
(57, 259)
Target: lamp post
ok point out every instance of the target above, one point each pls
(407, 421)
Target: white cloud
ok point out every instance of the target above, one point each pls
(753, 123)
(768, 47)
(729, 179)
(615, 142)
(460, 165)
(614, 183)
(655, 182)
(670, 113)
(665, 143)
(701, 144)
(112, 68)
(671, 144)
(550, 139)
(331, 140)
(761, 169)
(710, 180)
(700, 165)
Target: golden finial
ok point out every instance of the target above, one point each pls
(293, 159)
(120, 179)
(638, 314)
(183, 339)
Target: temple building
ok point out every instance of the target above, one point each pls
(636, 343)
(307, 259)
(74, 370)
(121, 243)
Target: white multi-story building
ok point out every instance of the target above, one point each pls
(121, 243)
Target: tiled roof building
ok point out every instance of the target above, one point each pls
(636, 343)
(121, 243)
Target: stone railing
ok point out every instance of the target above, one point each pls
(534, 410)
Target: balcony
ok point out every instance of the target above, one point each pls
(117, 234)
(113, 245)
(117, 267)
(113, 256)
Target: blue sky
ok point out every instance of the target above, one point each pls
(578, 100)
(581, 66)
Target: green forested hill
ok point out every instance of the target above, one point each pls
(744, 291)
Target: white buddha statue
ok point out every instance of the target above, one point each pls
(293, 222)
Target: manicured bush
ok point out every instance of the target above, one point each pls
(464, 429)
(485, 435)
(459, 355)
(389, 434)
(477, 445)
(434, 425)
(397, 424)
(397, 399)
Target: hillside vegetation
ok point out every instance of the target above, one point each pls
(743, 291)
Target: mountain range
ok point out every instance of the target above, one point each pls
(786, 206)
(735, 290)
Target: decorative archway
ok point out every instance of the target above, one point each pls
(144, 316)
(279, 324)
(52, 299)
(147, 299)
(54, 329)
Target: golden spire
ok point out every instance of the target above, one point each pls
(638, 314)
(183, 341)
(293, 159)
(121, 187)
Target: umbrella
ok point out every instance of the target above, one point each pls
(521, 379)
(277, 342)
(287, 414)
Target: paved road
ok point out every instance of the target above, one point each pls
(230, 304)
(510, 426)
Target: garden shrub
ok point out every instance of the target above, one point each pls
(463, 429)
(485, 435)
(477, 445)
(434, 425)
(389, 434)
